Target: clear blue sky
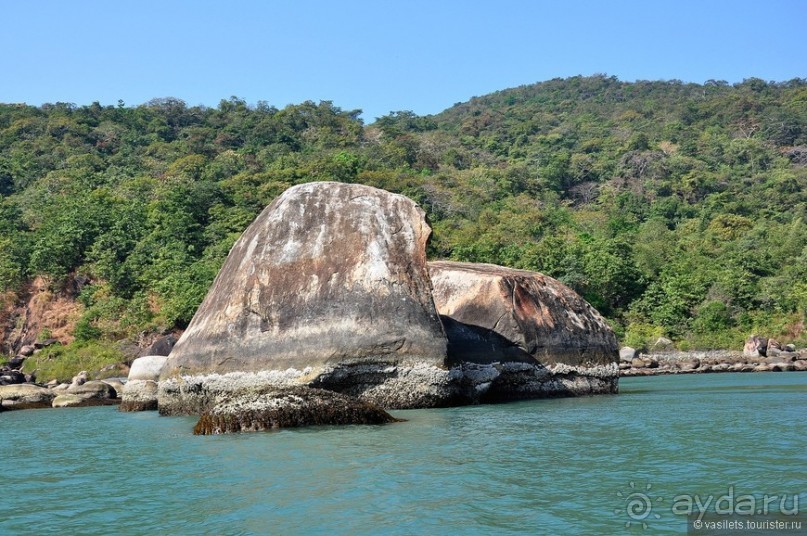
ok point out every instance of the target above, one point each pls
(380, 55)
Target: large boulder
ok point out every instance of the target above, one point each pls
(140, 390)
(327, 287)
(25, 396)
(535, 335)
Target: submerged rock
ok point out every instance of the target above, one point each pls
(328, 287)
(530, 334)
(288, 408)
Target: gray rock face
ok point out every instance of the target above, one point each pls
(161, 346)
(288, 408)
(496, 315)
(328, 286)
(24, 396)
(628, 354)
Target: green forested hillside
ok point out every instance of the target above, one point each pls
(674, 208)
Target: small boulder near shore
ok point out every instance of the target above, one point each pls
(628, 354)
(94, 393)
(288, 408)
(68, 401)
(140, 390)
(756, 346)
(25, 396)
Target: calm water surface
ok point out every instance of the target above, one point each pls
(538, 467)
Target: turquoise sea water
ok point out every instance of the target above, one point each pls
(540, 467)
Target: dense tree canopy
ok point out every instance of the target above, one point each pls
(674, 208)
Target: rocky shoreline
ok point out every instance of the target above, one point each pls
(326, 311)
(80, 392)
(713, 361)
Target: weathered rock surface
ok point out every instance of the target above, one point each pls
(10, 376)
(712, 361)
(328, 287)
(628, 354)
(25, 396)
(495, 315)
(662, 344)
(147, 367)
(756, 346)
(690, 364)
(161, 346)
(140, 391)
(68, 401)
(16, 362)
(286, 408)
(79, 379)
(115, 383)
(517, 315)
(94, 393)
